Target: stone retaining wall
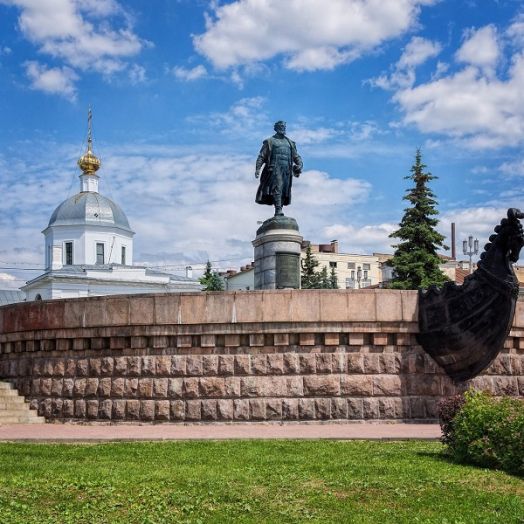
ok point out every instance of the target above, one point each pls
(238, 356)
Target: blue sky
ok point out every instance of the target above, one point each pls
(183, 92)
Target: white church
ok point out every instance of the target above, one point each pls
(89, 247)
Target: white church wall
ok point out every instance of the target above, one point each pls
(84, 239)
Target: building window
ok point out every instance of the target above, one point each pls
(353, 275)
(123, 255)
(332, 264)
(99, 253)
(68, 253)
(350, 283)
(351, 265)
(365, 273)
(38, 297)
(366, 266)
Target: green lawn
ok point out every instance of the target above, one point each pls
(250, 481)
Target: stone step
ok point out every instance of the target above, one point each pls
(21, 419)
(14, 409)
(15, 402)
(10, 412)
(8, 393)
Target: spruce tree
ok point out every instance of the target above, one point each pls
(415, 262)
(333, 280)
(210, 279)
(309, 278)
(324, 280)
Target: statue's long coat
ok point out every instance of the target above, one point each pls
(265, 189)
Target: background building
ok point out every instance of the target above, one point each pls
(353, 271)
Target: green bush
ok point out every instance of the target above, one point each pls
(489, 431)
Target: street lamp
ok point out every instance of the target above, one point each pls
(470, 247)
(359, 276)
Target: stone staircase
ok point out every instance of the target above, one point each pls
(14, 409)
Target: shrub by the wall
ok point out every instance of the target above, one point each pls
(487, 431)
(447, 410)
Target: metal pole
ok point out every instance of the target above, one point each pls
(470, 248)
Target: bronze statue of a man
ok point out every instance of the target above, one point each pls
(281, 162)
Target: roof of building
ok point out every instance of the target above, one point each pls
(460, 275)
(11, 296)
(80, 271)
(89, 208)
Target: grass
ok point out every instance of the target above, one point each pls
(250, 481)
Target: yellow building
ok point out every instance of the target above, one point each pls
(353, 271)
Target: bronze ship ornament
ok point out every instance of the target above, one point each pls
(463, 328)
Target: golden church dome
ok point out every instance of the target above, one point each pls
(89, 163)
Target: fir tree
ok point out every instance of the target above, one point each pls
(415, 262)
(310, 278)
(333, 279)
(324, 279)
(210, 279)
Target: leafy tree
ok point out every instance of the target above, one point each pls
(210, 279)
(310, 277)
(333, 279)
(415, 262)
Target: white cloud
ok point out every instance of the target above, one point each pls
(367, 239)
(247, 118)
(99, 8)
(513, 168)
(188, 75)
(515, 31)
(89, 35)
(320, 58)
(305, 136)
(9, 281)
(309, 34)
(319, 190)
(480, 48)
(137, 74)
(417, 51)
(53, 80)
(471, 105)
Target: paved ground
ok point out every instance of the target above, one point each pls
(90, 433)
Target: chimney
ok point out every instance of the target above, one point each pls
(189, 272)
(453, 242)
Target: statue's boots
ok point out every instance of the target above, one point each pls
(278, 206)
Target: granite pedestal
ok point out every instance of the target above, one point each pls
(277, 254)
